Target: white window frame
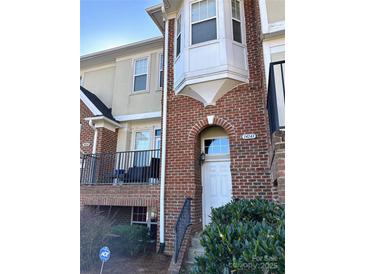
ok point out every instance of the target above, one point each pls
(160, 69)
(148, 217)
(240, 21)
(206, 19)
(156, 137)
(265, 26)
(177, 35)
(151, 134)
(212, 138)
(147, 74)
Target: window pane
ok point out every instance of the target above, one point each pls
(140, 82)
(211, 8)
(236, 9)
(204, 31)
(139, 214)
(203, 12)
(161, 62)
(142, 140)
(140, 66)
(178, 46)
(178, 26)
(195, 12)
(216, 146)
(158, 132)
(161, 79)
(237, 31)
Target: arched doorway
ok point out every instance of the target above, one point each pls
(215, 170)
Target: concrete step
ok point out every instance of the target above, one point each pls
(195, 242)
(195, 252)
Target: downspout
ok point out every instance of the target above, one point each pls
(163, 154)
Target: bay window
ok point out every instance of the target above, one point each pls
(236, 21)
(203, 21)
(178, 36)
(140, 74)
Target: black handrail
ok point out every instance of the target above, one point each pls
(142, 166)
(272, 104)
(182, 223)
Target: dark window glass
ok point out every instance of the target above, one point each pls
(204, 31)
(161, 78)
(237, 31)
(140, 82)
(178, 46)
(139, 214)
(158, 132)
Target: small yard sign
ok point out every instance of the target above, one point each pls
(249, 136)
(104, 255)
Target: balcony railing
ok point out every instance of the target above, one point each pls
(129, 167)
(276, 96)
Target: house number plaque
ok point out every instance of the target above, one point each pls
(249, 136)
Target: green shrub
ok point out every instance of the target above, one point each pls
(246, 236)
(130, 239)
(94, 228)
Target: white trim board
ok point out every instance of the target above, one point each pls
(269, 47)
(138, 116)
(89, 104)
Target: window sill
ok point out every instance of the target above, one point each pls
(202, 44)
(139, 92)
(239, 44)
(177, 57)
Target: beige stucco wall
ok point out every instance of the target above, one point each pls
(100, 81)
(136, 102)
(126, 135)
(275, 10)
(113, 83)
(277, 56)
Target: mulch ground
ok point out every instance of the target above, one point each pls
(152, 263)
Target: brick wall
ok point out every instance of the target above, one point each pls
(121, 195)
(240, 111)
(86, 133)
(107, 140)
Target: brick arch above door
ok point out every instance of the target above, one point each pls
(204, 123)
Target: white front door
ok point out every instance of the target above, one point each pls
(217, 185)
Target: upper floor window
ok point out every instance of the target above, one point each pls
(178, 36)
(236, 21)
(160, 80)
(203, 21)
(140, 74)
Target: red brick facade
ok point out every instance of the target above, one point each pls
(121, 195)
(107, 140)
(86, 132)
(240, 111)
(255, 163)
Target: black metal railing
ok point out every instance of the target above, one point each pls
(182, 223)
(276, 96)
(141, 166)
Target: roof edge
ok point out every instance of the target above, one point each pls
(125, 47)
